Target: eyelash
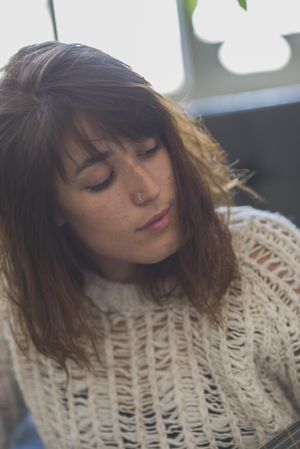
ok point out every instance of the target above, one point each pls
(151, 152)
(102, 185)
(147, 155)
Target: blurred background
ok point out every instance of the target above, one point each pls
(238, 69)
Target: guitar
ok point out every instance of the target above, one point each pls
(289, 438)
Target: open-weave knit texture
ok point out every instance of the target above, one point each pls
(171, 377)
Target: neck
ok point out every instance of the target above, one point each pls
(116, 271)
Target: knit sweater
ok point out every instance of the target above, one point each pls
(172, 377)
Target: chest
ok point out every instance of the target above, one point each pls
(163, 377)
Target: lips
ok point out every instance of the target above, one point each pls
(155, 218)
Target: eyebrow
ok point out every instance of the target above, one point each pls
(92, 160)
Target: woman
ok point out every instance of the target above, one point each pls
(138, 309)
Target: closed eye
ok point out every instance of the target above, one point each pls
(152, 151)
(102, 185)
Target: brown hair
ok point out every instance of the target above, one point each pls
(43, 90)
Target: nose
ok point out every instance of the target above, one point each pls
(142, 184)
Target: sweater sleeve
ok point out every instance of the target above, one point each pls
(273, 251)
(12, 406)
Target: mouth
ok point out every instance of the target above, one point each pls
(158, 221)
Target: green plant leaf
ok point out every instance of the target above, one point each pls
(190, 6)
(243, 4)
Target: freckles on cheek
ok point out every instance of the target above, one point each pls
(108, 220)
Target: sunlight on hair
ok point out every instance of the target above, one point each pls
(252, 40)
(23, 23)
(144, 34)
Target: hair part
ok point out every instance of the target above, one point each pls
(44, 90)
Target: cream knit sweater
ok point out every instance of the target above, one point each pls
(172, 378)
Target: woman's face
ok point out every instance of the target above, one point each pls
(100, 201)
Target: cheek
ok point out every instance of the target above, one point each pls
(168, 170)
(94, 216)
(170, 180)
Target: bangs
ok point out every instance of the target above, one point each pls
(135, 123)
(110, 101)
(133, 120)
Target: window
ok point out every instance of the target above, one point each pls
(23, 23)
(251, 41)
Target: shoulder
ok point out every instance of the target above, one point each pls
(267, 246)
(251, 227)
(262, 304)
